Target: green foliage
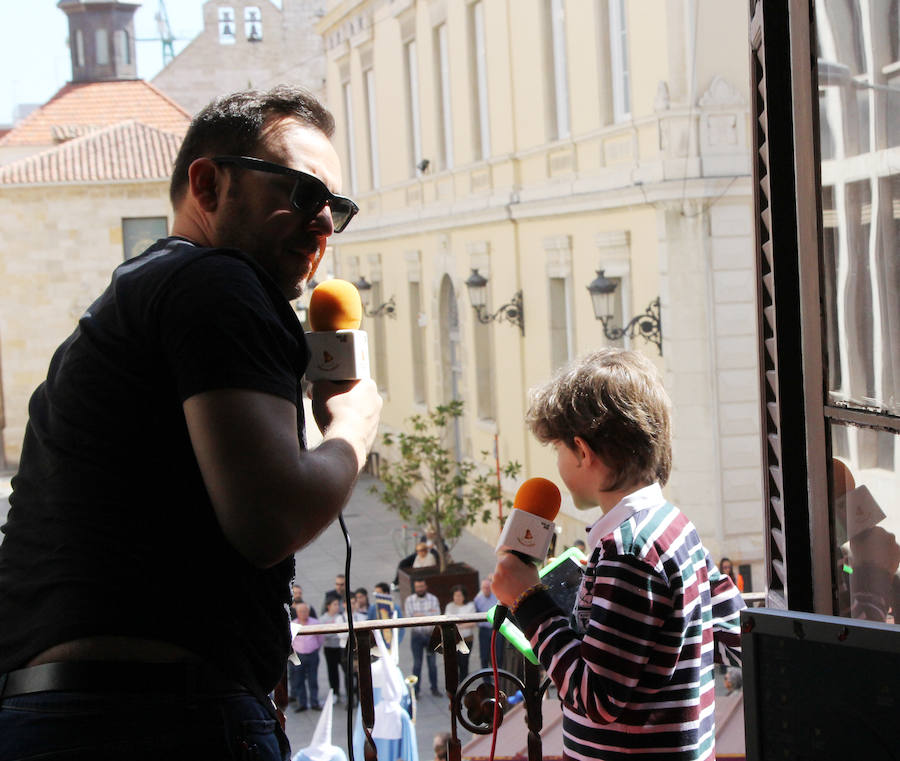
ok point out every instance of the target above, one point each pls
(428, 486)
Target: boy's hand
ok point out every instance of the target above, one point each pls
(512, 577)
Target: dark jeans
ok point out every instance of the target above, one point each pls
(419, 643)
(306, 674)
(334, 660)
(484, 647)
(81, 726)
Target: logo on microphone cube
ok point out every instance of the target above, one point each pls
(527, 533)
(338, 355)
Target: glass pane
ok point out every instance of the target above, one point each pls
(859, 98)
(139, 233)
(866, 514)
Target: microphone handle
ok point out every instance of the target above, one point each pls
(523, 557)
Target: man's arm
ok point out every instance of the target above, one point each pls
(270, 497)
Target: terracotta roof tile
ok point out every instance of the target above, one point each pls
(126, 151)
(85, 106)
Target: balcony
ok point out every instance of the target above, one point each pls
(471, 702)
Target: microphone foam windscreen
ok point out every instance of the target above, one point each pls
(540, 497)
(335, 305)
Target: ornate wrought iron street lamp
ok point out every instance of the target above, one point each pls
(647, 325)
(388, 308)
(512, 311)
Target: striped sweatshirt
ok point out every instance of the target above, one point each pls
(634, 663)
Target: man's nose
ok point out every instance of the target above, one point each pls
(323, 222)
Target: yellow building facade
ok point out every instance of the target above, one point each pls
(539, 142)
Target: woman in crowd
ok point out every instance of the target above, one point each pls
(460, 606)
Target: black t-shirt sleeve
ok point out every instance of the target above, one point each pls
(219, 329)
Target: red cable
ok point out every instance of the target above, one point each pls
(496, 692)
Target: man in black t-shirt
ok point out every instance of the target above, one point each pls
(166, 447)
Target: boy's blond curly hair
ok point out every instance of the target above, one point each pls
(614, 400)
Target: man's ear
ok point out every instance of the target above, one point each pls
(205, 183)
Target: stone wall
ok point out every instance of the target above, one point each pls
(285, 49)
(58, 247)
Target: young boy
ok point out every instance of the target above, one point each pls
(635, 670)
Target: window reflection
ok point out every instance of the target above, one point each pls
(859, 98)
(865, 488)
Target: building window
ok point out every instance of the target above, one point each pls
(253, 24)
(557, 79)
(442, 89)
(417, 341)
(139, 233)
(412, 101)
(227, 33)
(481, 132)
(618, 44)
(101, 41)
(122, 46)
(560, 323)
(351, 147)
(484, 370)
(379, 331)
(374, 168)
(79, 47)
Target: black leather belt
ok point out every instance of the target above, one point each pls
(184, 679)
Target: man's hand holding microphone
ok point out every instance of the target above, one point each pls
(345, 400)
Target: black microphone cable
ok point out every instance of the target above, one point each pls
(351, 640)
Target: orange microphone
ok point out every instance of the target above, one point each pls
(338, 349)
(529, 528)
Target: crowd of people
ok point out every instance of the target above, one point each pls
(303, 684)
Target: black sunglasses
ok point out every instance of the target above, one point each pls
(309, 196)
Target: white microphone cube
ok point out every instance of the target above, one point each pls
(526, 533)
(338, 355)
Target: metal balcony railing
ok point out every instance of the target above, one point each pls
(471, 704)
(472, 700)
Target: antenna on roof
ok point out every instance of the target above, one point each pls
(165, 33)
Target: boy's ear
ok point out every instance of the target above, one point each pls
(583, 450)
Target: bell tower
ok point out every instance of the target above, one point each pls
(101, 39)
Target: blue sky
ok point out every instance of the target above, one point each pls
(34, 55)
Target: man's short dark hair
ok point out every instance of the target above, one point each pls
(383, 586)
(362, 591)
(231, 125)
